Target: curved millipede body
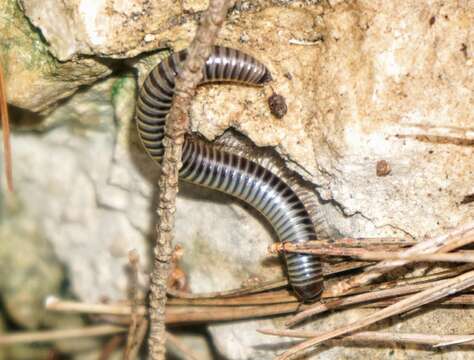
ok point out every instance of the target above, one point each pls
(212, 166)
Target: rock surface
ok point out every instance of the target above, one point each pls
(33, 270)
(35, 80)
(84, 195)
(357, 77)
(112, 28)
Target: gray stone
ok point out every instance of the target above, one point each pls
(84, 194)
(361, 74)
(112, 28)
(30, 273)
(29, 267)
(35, 80)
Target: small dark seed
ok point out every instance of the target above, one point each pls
(467, 199)
(464, 50)
(277, 104)
(383, 168)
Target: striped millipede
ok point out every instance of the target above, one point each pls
(219, 168)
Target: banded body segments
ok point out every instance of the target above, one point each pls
(208, 165)
(156, 94)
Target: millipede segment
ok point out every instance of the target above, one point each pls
(212, 166)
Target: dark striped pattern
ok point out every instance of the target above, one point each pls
(207, 165)
(155, 98)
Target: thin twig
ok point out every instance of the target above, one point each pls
(53, 335)
(463, 340)
(53, 303)
(110, 347)
(366, 243)
(376, 336)
(330, 270)
(186, 352)
(454, 239)
(272, 297)
(364, 254)
(267, 285)
(176, 126)
(320, 308)
(415, 280)
(7, 149)
(264, 286)
(444, 289)
(442, 131)
(305, 42)
(192, 315)
(186, 314)
(133, 260)
(178, 314)
(140, 333)
(456, 300)
(377, 292)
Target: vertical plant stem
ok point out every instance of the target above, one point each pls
(5, 121)
(176, 127)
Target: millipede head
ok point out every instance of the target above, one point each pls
(266, 78)
(309, 293)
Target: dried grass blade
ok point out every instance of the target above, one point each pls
(268, 298)
(185, 352)
(376, 336)
(53, 335)
(363, 254)
(446, 288)
(176, 314)
(191, 315)
(442, 131)
(7, 149)
(264, 286)
(362, 242)
(461, 299)
(464, 340)
(458, 237)
(357, 299)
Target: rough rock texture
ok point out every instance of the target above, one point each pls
(35, 80)
(84, 195)
(3, 352)
(118, 28)
(33, 270)
(379, 69)
(355, 75)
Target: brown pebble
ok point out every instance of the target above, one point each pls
(383, 168)
(277, 104)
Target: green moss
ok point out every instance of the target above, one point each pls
(21, 40)
(117, 87)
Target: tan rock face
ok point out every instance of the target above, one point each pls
(385, 68)
(112, 28)
(353, 99)
(379, 97)
(356, 79)
(35, 80)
